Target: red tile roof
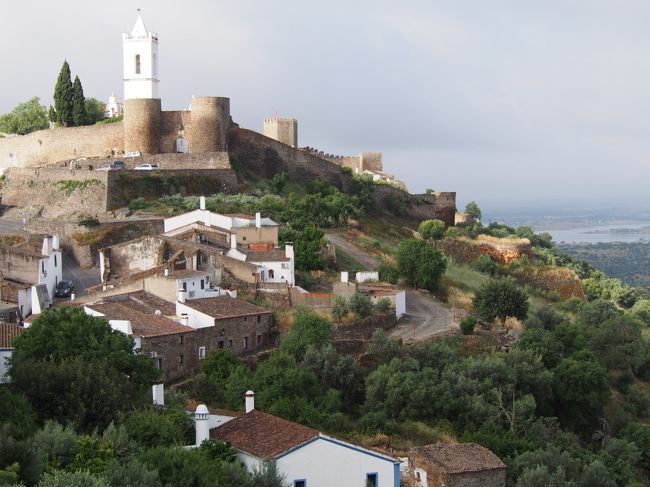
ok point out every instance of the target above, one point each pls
(148, 303)
(263, 435)
(142, 324)
(7, 333)
(461, 457)
(271, 256)
(225, 307)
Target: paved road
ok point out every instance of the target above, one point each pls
(424, 317)
(369, 262)
(82, 278)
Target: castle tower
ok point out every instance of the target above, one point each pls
(142, 109)
(140, 48)
(283, 130)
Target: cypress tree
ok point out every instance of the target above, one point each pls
(79, 115)
(63, 96)
(51, 114)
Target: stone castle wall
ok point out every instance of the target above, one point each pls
(210, 122)
(173, 125)
(52, 145)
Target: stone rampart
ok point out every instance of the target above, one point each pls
(64, 143)
(210, 123)
(204, 160)
(142, 125)
(503, 251)
(174, 124)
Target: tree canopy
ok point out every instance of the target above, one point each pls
(26, 117)
(501, 298)
(421, 265)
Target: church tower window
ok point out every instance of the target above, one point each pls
(137, 64)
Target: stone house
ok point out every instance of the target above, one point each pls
(456, 465)
(305, 456)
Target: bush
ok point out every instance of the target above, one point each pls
(88, 221)
(467, 325)
(387, 272)
(500, 299)
(361, 304)
(485, 265)
(340, 308)
(384, 305)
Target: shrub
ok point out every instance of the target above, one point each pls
(340, 308)
(500, 299)
(361, 304)
(384, 305)
(88, 221)
(485, 265)
(467, 325)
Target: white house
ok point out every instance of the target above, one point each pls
(274, 265)
(7, 333)
(32, 273)
(305, 456)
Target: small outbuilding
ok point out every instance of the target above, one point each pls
(456, 465)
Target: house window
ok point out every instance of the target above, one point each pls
(180, 359)
(202, 284)
(201, 353)
(55, 261)
(245, 343)
(43, 266)
(259, 319)
(184, 286)
(180, 339)
(259, 339)
(220, 344)
(371, 480)
(137, 64)
(271, 274)
(159, 363)
(299, 483)
(230, 343)
(245, 318)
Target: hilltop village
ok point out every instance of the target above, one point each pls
(184, 301)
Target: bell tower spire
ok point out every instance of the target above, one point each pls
(140, 48)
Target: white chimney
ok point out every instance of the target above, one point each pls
(288, 251)
(55, 242)
(250, 401)
(72, 296)
(258, 220)
(202, 424)
(181, 295)
(166, 272)
(158, 392)
(201, 202)
(233, 241)
(185, 320)
(344, 277)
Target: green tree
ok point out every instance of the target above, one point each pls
(467, 325)
(94, 110)
(151, 427)
(596, 312)
(79, 115)
(309, 328)
(279, 182)
(26, 117)
(361, 304)
(340, 308)
(432, 230)
(499, 299)
(420, 264)
(91, 454)
(51, 114)
(581, 391)
(268, 475)
(75, 368)
(63, 96)
(617, 343)
(307, 244)
(473, 211)
(485, 264)
(60, 478)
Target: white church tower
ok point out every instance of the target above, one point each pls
(140, 49)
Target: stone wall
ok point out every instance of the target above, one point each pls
(174, 124)
(266, 157)
(503, 251)
(134, 256)
(210, 123)
(486, 478)
(18, 265)
(563, 281)
(51, 145)
(142, 124)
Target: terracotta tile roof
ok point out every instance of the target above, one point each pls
(225, 307)
(142, 324)
(263, 435)
(461, 457)
(7, 333)
(148, 303)
(272, 256)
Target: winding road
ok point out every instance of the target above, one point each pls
(424, 316)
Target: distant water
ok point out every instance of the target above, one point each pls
(612, 232)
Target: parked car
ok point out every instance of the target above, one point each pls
(115, 166)
(146, 167)
(64, 289)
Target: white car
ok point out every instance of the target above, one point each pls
(146, 167)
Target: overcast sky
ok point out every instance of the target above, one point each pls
(507, 102)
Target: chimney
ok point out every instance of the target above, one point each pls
(166, 271)
(233, 241)
(202, 424)
(201, 202)
(185, 320)
(258, 220)
(158, 392)
(55, 242)
(344, 277)
(181, 295)
(72, 296)
(250, 401)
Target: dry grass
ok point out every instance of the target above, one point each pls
(502, 241)
(457, 298)
(284, 319)
(94, 237)
(514, 324)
